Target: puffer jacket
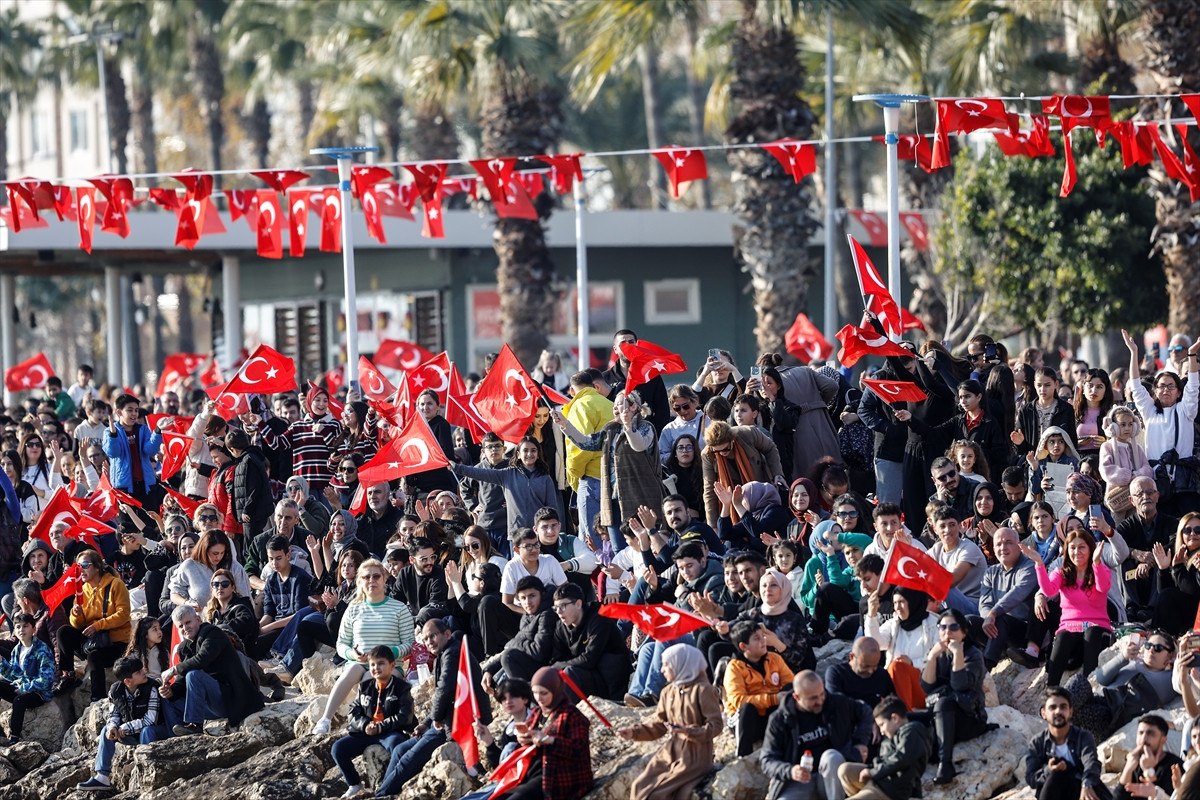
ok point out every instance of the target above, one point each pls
(89, 610)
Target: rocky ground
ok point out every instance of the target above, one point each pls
(273, 756)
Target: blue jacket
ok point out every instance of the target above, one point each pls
(33, 675)
(120, 471)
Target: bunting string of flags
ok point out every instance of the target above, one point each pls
(511, 184)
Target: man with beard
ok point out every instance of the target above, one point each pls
(380, 520)
(1062, 760)
(422, 584)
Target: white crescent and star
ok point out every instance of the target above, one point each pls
(271, 372)
(442, 372)
(376, 387)
(422, 450)
(900, 567)
(263, 208)
(967, 104)
(299, 215)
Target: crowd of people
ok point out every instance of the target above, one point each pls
(1062, 501)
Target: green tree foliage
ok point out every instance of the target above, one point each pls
(1080, 263)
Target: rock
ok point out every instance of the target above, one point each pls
(833, 652)
(84, 734)
(54, 778)
(317, 676)
(1018, 793)
(442, 777)
(314, 707)
(1008, 717)
(277, 721)
(985, 765)
(1113, 750)
(1019, 687)
(162, 763)
(45, 724)
(990, 697)
(371, 766)
(24, 755)
(740, 779)
(8, 773)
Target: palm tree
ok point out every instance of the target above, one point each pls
(19, 42)
(203, 22)
(1172, 60)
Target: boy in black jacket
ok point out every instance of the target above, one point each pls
(533, 646)
(895, 774)
(588, 647)
(137, 717)
(1062, 760)
(381, 714)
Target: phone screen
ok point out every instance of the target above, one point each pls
(1095, 511)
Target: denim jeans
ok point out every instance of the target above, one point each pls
(647, 675)
(107, 747)
(960, 602)
(588, 501)
(824, 783)
(408, 758)
(349, 747)
(203, 700)
(288, 643)
(889, 481)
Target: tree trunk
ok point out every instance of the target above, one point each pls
(5, 110)
(393, 134)
(306, 108)
(695, 93)
(651, 104)
(524, 120)
(258, 126)
(433, 134)
(209, 80)
(119, 117)
(775, 222)
(144, 139)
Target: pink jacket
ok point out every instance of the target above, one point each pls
(1079, 606)
(1120, 463)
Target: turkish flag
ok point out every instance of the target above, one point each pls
(297, 223)
(859, 342)
(459, 184)
(64, 203)
(878, 299)
(432, 227)
(281, 179)
(66, 586)
(805, 341)
(912, 147)
(396, 410)
(265, 371)
(662, 622)
(913, 568)
(211, 376)
(331, 221)
(85, 200)
(165, 198)
(198, 184)
(460, 411)
(186, 504)
(1079, 111)
(895, 391)
(118, 192)
(391, 203)
(103, 503)
(189, 224)
(798, 159)
(20, 195)
(228, 405)
(175, 452)
(963, 115)
(270, 225)
(682, 165)
(506, 399)
(1032, 142)
(335, 379)
(24, 220)
(60, 509)
(364, 177)
(29, 374)
(564, 171)
(873, 225)
(413, 449)
(372, 214)
(428, 179)
(1172, 165)
(514, 202)
(512, 771)
(918, 231)
(533, 182)
(179, 424)
(374, 385)
(241, 202)
(911, 321)
(1136, 146)
(647, 361)
(434, 374)
(1191, 164)
(496, 174)
(396, 354)
(466, 710)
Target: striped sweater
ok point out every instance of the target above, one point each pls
(367, 624)
(311, 442)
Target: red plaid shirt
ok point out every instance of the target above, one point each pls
(567, 763)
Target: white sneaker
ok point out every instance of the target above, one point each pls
(353, 791)
(322, 727)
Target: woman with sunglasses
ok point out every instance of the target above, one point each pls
(477, 549)
(953, 683)
(1178, 578)
(371, 619)
(99, 625)
(37, 466)
(359, 436)
(229, 609)
(1139, 679)
(683, 465)
(190, 585)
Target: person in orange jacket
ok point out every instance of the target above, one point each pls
(753, 680)
(99, 628)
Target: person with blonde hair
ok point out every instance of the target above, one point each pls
(371, 619)
(735, 456)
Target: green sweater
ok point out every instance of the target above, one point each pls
(366, 625)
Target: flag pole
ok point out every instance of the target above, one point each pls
(344, 156)
(582, 292)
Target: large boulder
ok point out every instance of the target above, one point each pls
(985, 765)
(311, 710)
(84, 734)
(56, 777)
(24, 755)
(740, 779)
(317, 676)
(1024, 724)
(443, 776)
(1019, 687)
(835, 651)
(45, 724)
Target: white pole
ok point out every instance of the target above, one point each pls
(891, 123)
(581, 276)
(344, 168)
(8, 342)
(830, 305)
(112, 322)
(231, 292)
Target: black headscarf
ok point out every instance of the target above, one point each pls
(918, 608)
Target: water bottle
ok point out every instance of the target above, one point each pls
(806, 760)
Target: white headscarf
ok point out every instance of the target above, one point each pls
(687, 663)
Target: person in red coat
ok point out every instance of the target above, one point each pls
(560, 732)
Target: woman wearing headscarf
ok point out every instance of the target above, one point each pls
(689, 709)
(908, 636)
(759, 511)
(562, 766)
(325, 552)
(786, 624)
(989, 504)
(1083, 496)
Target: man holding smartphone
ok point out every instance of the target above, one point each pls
(1062, 760)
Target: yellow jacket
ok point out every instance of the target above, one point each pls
(746, 685)
(90, 610)
(589, 412)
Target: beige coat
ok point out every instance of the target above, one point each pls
(764, 463)
(687, 758)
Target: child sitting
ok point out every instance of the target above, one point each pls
(967, 455)
(136, 711)
(753, 680)
(1053, 448)
(895, 774)
(785, 556)
(27, 677)
(381, 714)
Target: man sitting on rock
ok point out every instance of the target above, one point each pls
(409, 757)
(136, 712)
(1005, 597)
(588, 647)
(215, 685)
(533, 646)
(1149, 767)
(809, 737)
(861, 677)
(1062, 760)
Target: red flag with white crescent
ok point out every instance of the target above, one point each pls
(270, 225)
(466, 710)
(662, 622)
(507, 397)
(878, 299)
(895, 391)
(682, 165)
(266, 371)
(395, 354)
(913, 568)
(331, 221)
(175, 452)
(374, 385)
(85, 201)
(31, 373)
(297, 223)
(413, 449)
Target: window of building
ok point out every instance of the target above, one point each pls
(673, 302)
(77, 122)
(40, 135)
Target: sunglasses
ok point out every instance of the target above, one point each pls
(945, 477)
(685, 448)
(474, 546)
(208, 517)
(33, 444)
(1176, 349)
(220, 584)
(347, 469)
(843, 514)
(949, 626)
(684, 407)
(86, 565)
(1156, 647)
(1190, 530)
